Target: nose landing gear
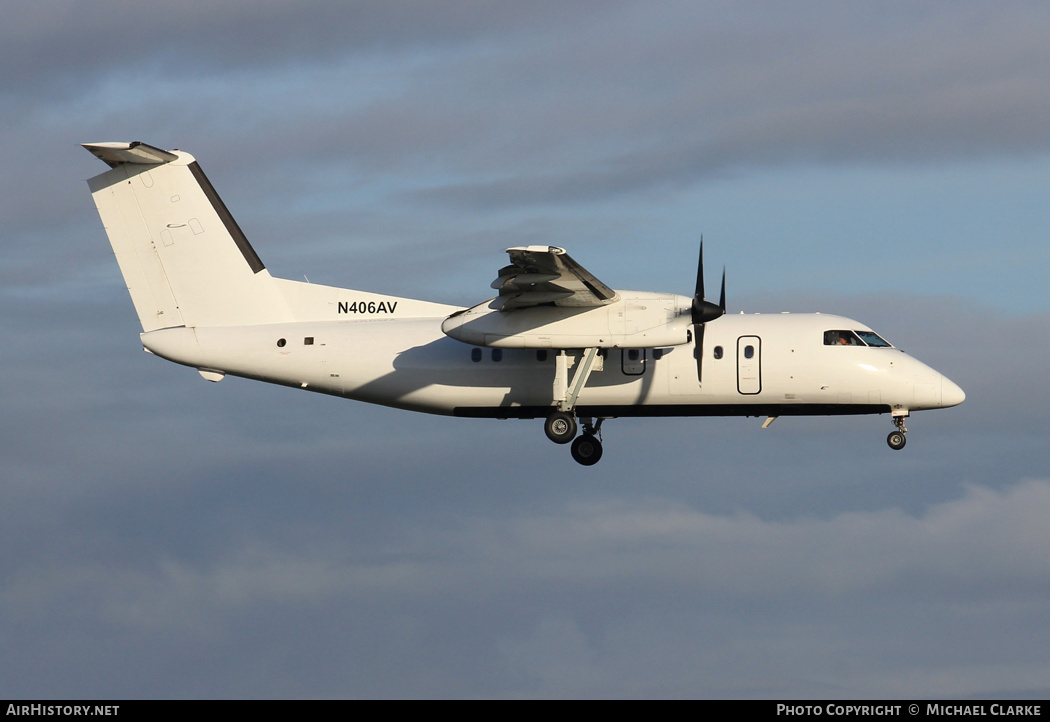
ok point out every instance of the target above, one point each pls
(896, 439)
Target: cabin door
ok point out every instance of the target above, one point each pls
(749, 364)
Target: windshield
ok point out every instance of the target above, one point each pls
(842, 337)
(872, 339)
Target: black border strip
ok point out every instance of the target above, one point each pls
(254, 262)
(541, 412)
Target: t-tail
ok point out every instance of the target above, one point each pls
(184, 258)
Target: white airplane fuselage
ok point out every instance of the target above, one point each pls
(411, 364)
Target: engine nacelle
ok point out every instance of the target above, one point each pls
(635, 320)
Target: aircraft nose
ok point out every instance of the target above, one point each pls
(951, 394)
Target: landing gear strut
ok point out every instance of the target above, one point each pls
(560, 425)
(896, 439)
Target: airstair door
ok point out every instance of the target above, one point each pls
(749, 364)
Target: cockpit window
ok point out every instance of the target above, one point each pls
(841, 338)
(854, 338)
(873, 339)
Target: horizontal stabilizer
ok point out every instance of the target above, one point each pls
(114, 154)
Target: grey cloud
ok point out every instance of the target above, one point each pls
(574, 84)
(925, 91)
(515, 107)
(662, 566)
(61, 44)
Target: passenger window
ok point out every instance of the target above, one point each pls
(749, 351)
(718, 352)
(475, 354)
(541, 355)
(497, 354)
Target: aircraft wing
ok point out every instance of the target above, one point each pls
(548, 275)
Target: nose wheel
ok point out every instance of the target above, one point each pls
(896, 439)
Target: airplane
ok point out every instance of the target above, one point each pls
(554, 343)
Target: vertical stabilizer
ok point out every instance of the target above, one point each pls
(183, 257)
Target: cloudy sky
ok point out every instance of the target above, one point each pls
(165, 537)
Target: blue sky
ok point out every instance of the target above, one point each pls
(165, 537)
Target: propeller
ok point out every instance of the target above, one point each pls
(703, 312)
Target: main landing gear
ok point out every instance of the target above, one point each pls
(896, 439)
(586, 448)
(561, 426)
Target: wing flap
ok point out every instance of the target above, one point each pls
(548, 275)
(521, 279)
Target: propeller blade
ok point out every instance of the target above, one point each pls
(704, 311)
(698, 353)
(699, 292)
(722, 298)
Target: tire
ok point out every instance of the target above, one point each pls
(896, 440)
(560, 427)
(586, 450)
